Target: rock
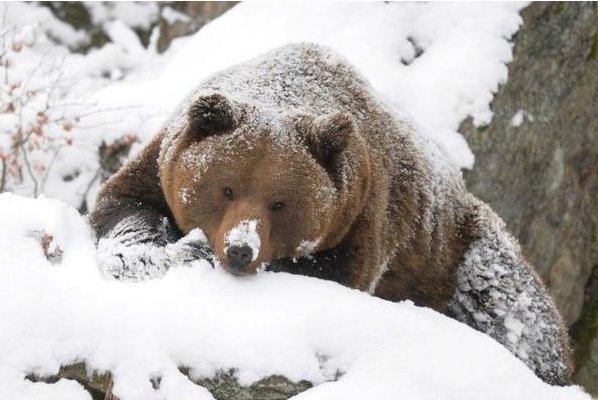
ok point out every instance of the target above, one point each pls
(537, 162)
(585, 332)
(223, 386)
(181, 18)
(77, 15)
(176, 19)
(98, 385)
(113, 155)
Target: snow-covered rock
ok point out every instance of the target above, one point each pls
(208, 320)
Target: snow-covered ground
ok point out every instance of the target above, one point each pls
(208, 320)
(437, 63)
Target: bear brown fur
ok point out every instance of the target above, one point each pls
(291, 162)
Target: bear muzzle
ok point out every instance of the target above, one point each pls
(239, 257)
(242, 247)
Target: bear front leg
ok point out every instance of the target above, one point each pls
(133, 248)
(137, 238)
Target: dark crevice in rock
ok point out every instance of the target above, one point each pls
(585, 332)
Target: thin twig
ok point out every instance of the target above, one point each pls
(30, 171)
(83, 206)
(21, 146)
(45, 178)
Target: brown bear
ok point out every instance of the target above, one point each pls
(291, 162)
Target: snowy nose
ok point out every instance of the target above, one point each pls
(239, 257)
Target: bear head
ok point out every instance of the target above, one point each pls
(264, 184)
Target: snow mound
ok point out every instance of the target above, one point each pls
(208, 320)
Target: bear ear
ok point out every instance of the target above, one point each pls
(211, 114)
(328, 136)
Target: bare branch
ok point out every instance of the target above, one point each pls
(49, 168)
(30, 170)
(83, 207)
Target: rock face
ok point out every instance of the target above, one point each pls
(537, 162)
(193, 15)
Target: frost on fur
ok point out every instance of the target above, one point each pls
(131, 250)
(499, 294)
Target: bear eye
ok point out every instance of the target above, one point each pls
(228, 193)
(277, 206)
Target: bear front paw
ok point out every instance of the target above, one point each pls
(132, 262)
(194, 246)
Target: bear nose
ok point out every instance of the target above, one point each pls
(239, 257)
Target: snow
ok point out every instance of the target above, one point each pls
(185, 195)
(517, 119)
(134, 14)
(308, 247)
(381, 271)
(171, 15)
(208, 320)
(244, 234)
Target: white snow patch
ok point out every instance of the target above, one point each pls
(171, 15)
(207, 320)
(185, 195)
(244, 234)
(307, 247)
(136, 14)
(520, 116)
(124, 36)
(381, 271)
(517, 119)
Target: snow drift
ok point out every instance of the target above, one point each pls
(207, 320)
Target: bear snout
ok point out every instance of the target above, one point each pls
(238, 258)
(242, 247)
